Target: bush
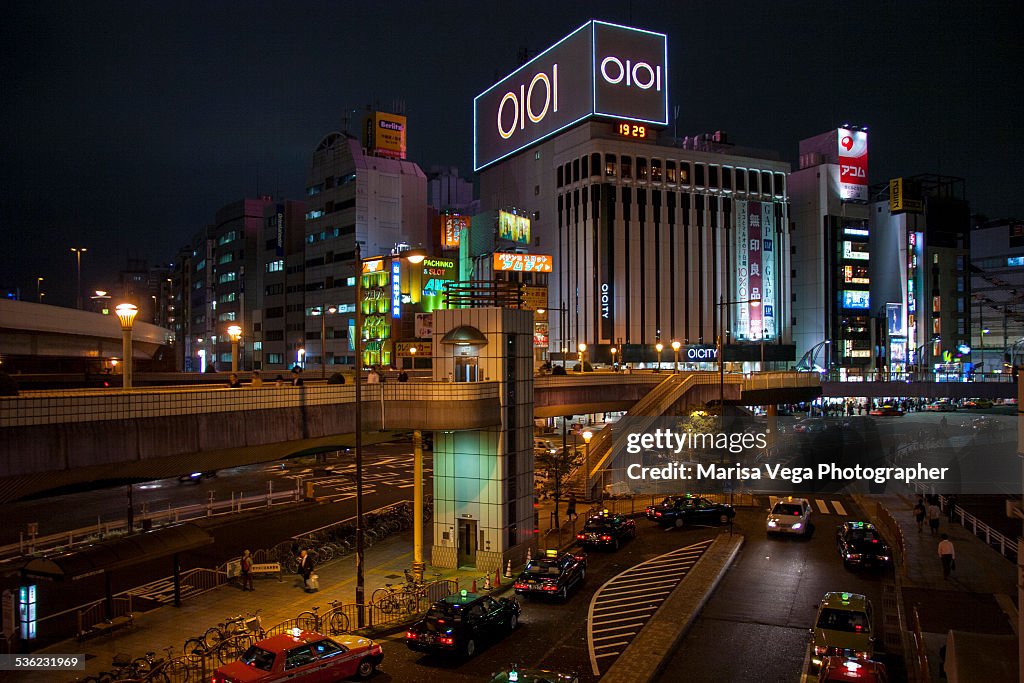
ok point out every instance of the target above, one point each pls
(336, 378)
(558, 370)
(587, 367)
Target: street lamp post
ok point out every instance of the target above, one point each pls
(721, 356)
(675, 348)
(418, 565)
(39, 289)
(235, 332)
(587, 436)
(659, 347)
(582, 348)
(126, 314)
(615, 368)
(360, 578)
(412, 354)
(78, 251)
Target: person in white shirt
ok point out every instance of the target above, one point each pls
(947, 554)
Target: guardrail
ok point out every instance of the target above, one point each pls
(892, 530)
(35, 545)
(920, 650)
(996, 540)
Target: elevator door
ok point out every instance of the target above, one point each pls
(466, 369)
(467, 543)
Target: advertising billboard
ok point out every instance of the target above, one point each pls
(755, 278)
(385, 135)
(600, 69)
(375, 265)
(513, 228)
(424, 325)
(523, 263)
(451, 230)
(424, 349)
(396, 289)
(853, 164)
(855, 299)
(905, 197)
(535, 297)
(894, 314)
(436, 272)
(857, 251)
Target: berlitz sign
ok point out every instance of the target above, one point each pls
(598, 70)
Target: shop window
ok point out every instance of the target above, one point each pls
(609, 165)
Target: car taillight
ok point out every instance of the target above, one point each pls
(606, 537)
(580, 536)
(862, 654)
(657, 514)
(411, 635)
(550, 587)
(446, 640)
(520, 584)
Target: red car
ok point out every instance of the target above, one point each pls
(304, 656)
(887, 411)
(845, 670)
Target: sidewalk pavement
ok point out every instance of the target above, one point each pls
(979, 595)
(279, 601)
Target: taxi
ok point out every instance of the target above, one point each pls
(789, 516)
(859, 544)
(842, 628)
(517, 675)
(303, 656)
(461, 622)
(553, 574)
(845, 670)
(607, 530)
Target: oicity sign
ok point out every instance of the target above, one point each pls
(599, 69)
(696, 353)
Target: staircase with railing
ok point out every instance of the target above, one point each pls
(608, 443)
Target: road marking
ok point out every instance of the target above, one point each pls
(822, 506)
(655, 579)
(839, 507)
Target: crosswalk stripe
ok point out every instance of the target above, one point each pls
(822, 506)
(617, 628)
(603, 647)
(619, 635)
(839, 507)
(649, 608)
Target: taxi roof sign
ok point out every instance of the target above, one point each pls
(550, 552)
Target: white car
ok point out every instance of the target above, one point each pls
(789, 516)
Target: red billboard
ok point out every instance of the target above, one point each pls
(853, 164)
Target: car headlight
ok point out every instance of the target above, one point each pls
(798, 525)
(772, 523)
(853, 556)
(886, 558)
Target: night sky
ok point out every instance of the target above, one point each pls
(125, 126)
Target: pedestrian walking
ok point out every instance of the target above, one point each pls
(570, 510)
(306, 570)
(951, 508)
(919, 513)
(233, 382)
(934, 515)
(246, 563)
(257, 381)
(947, 553)
(297, 376)
(403, 376)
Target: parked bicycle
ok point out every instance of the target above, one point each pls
(251, 624)
(335, 621)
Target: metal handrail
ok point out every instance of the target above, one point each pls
(994, 539)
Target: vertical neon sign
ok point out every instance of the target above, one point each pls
(396, 288)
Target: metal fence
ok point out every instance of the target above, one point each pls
(996, 540)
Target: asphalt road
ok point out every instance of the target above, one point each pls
(551, 634)
(86, 508)
(756, 625)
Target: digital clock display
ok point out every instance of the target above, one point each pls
(632, 130)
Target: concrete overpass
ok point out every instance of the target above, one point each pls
(931, 391)
(53, 439)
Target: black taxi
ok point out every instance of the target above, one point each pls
(463, 621)
(606, 530)
(553, 574)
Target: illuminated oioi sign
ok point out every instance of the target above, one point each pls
(599, 69)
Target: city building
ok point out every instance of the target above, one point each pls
(831, 253)
(278, 324)
(381, 201)
(921, 285)
(652, 238)
(997, 295)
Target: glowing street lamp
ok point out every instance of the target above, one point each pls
(300, 358)
(582, 348)
(39, 289)
(78, 251)
(587, 436)
(614, 366)
(235, 332)
(412, 352)
(126, 314)
(675, 347)
(659, 347)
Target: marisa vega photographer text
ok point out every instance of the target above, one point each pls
(794, 475)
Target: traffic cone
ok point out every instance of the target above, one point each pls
(487, 582)
(508, 570)
(473, 589)
(497, 578)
